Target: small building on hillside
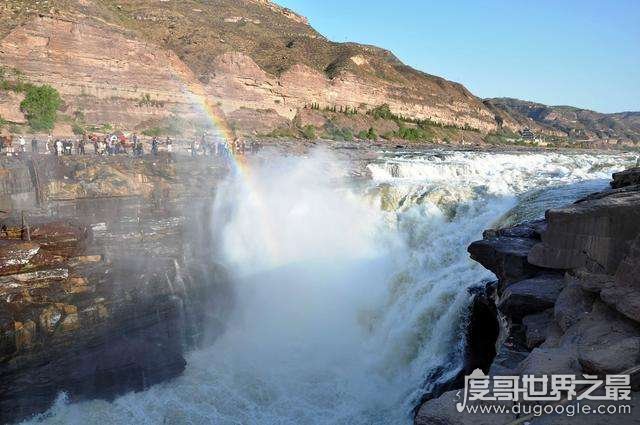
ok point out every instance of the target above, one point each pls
(527, 134)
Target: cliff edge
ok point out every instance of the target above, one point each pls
(568, 296)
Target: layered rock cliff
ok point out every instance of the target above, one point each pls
(137, 63)
(105, 298)
(568, 295)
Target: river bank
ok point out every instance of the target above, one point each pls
(568, 299)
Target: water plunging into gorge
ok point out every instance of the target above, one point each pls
(347, 293)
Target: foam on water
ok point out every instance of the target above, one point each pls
(348, 296)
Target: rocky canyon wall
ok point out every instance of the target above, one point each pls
(107, 74)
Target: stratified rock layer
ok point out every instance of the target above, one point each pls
(106, 299)
(568, 293)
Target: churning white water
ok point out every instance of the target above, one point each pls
(348, 293)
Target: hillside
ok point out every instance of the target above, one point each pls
(146, 65)
(567, 121)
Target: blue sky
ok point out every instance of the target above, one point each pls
(583, 53)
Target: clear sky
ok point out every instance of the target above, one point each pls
(584, 53)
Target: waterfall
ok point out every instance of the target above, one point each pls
(348, 294)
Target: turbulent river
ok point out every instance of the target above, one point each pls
(348, 291)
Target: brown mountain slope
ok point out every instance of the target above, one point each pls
(147, 64)
(133, 63)
(567, 121)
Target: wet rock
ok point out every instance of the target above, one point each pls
(14, 254)
(554, 336)
(83, 259)
(528, 230)
(483, 330)
(593, 234)
(75, 285)
(592, 282)
(40, 275)
(530, 296)
(506, 257)
(626, 178)
(614, 357)
(549, 361)
(624, 293)
(572, 304)
(507, 361)
(59, 317)
(442, 411)
(604, 341)
(536, 327)
(24, 334)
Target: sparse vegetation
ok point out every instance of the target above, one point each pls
(13, 80)
(368, 135)
(77, 129)
(413, 134)
(333, 132)
(104, 128)
(173, 126)
(146, 100)
(282, 133)
(152, 132)
(309, 132)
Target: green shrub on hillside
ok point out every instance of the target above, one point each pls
(384, 112)
(77, 129)
(309, 132)
(414, 134)
(368, 135)
(333, 132)
(347, 134)
(40, 105)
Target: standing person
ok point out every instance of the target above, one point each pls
(138, 149)
(81, 145)
(154, 145)
(169, 146)
(34, 145)
(59, 147)
(9, 145)
(50, 146)
(23, 144)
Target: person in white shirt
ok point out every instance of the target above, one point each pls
(59, 148)
(23, 144)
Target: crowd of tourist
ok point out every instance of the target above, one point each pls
(119, 144)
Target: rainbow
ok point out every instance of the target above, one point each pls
(241, 169)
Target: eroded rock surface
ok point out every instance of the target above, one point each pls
(569, 294)
(106, 298)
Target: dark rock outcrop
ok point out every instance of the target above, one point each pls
(626, 178)
(536, 327)
(107, 298)
(531, 296)
(593, 233)
(569, 294)
(505, 256)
